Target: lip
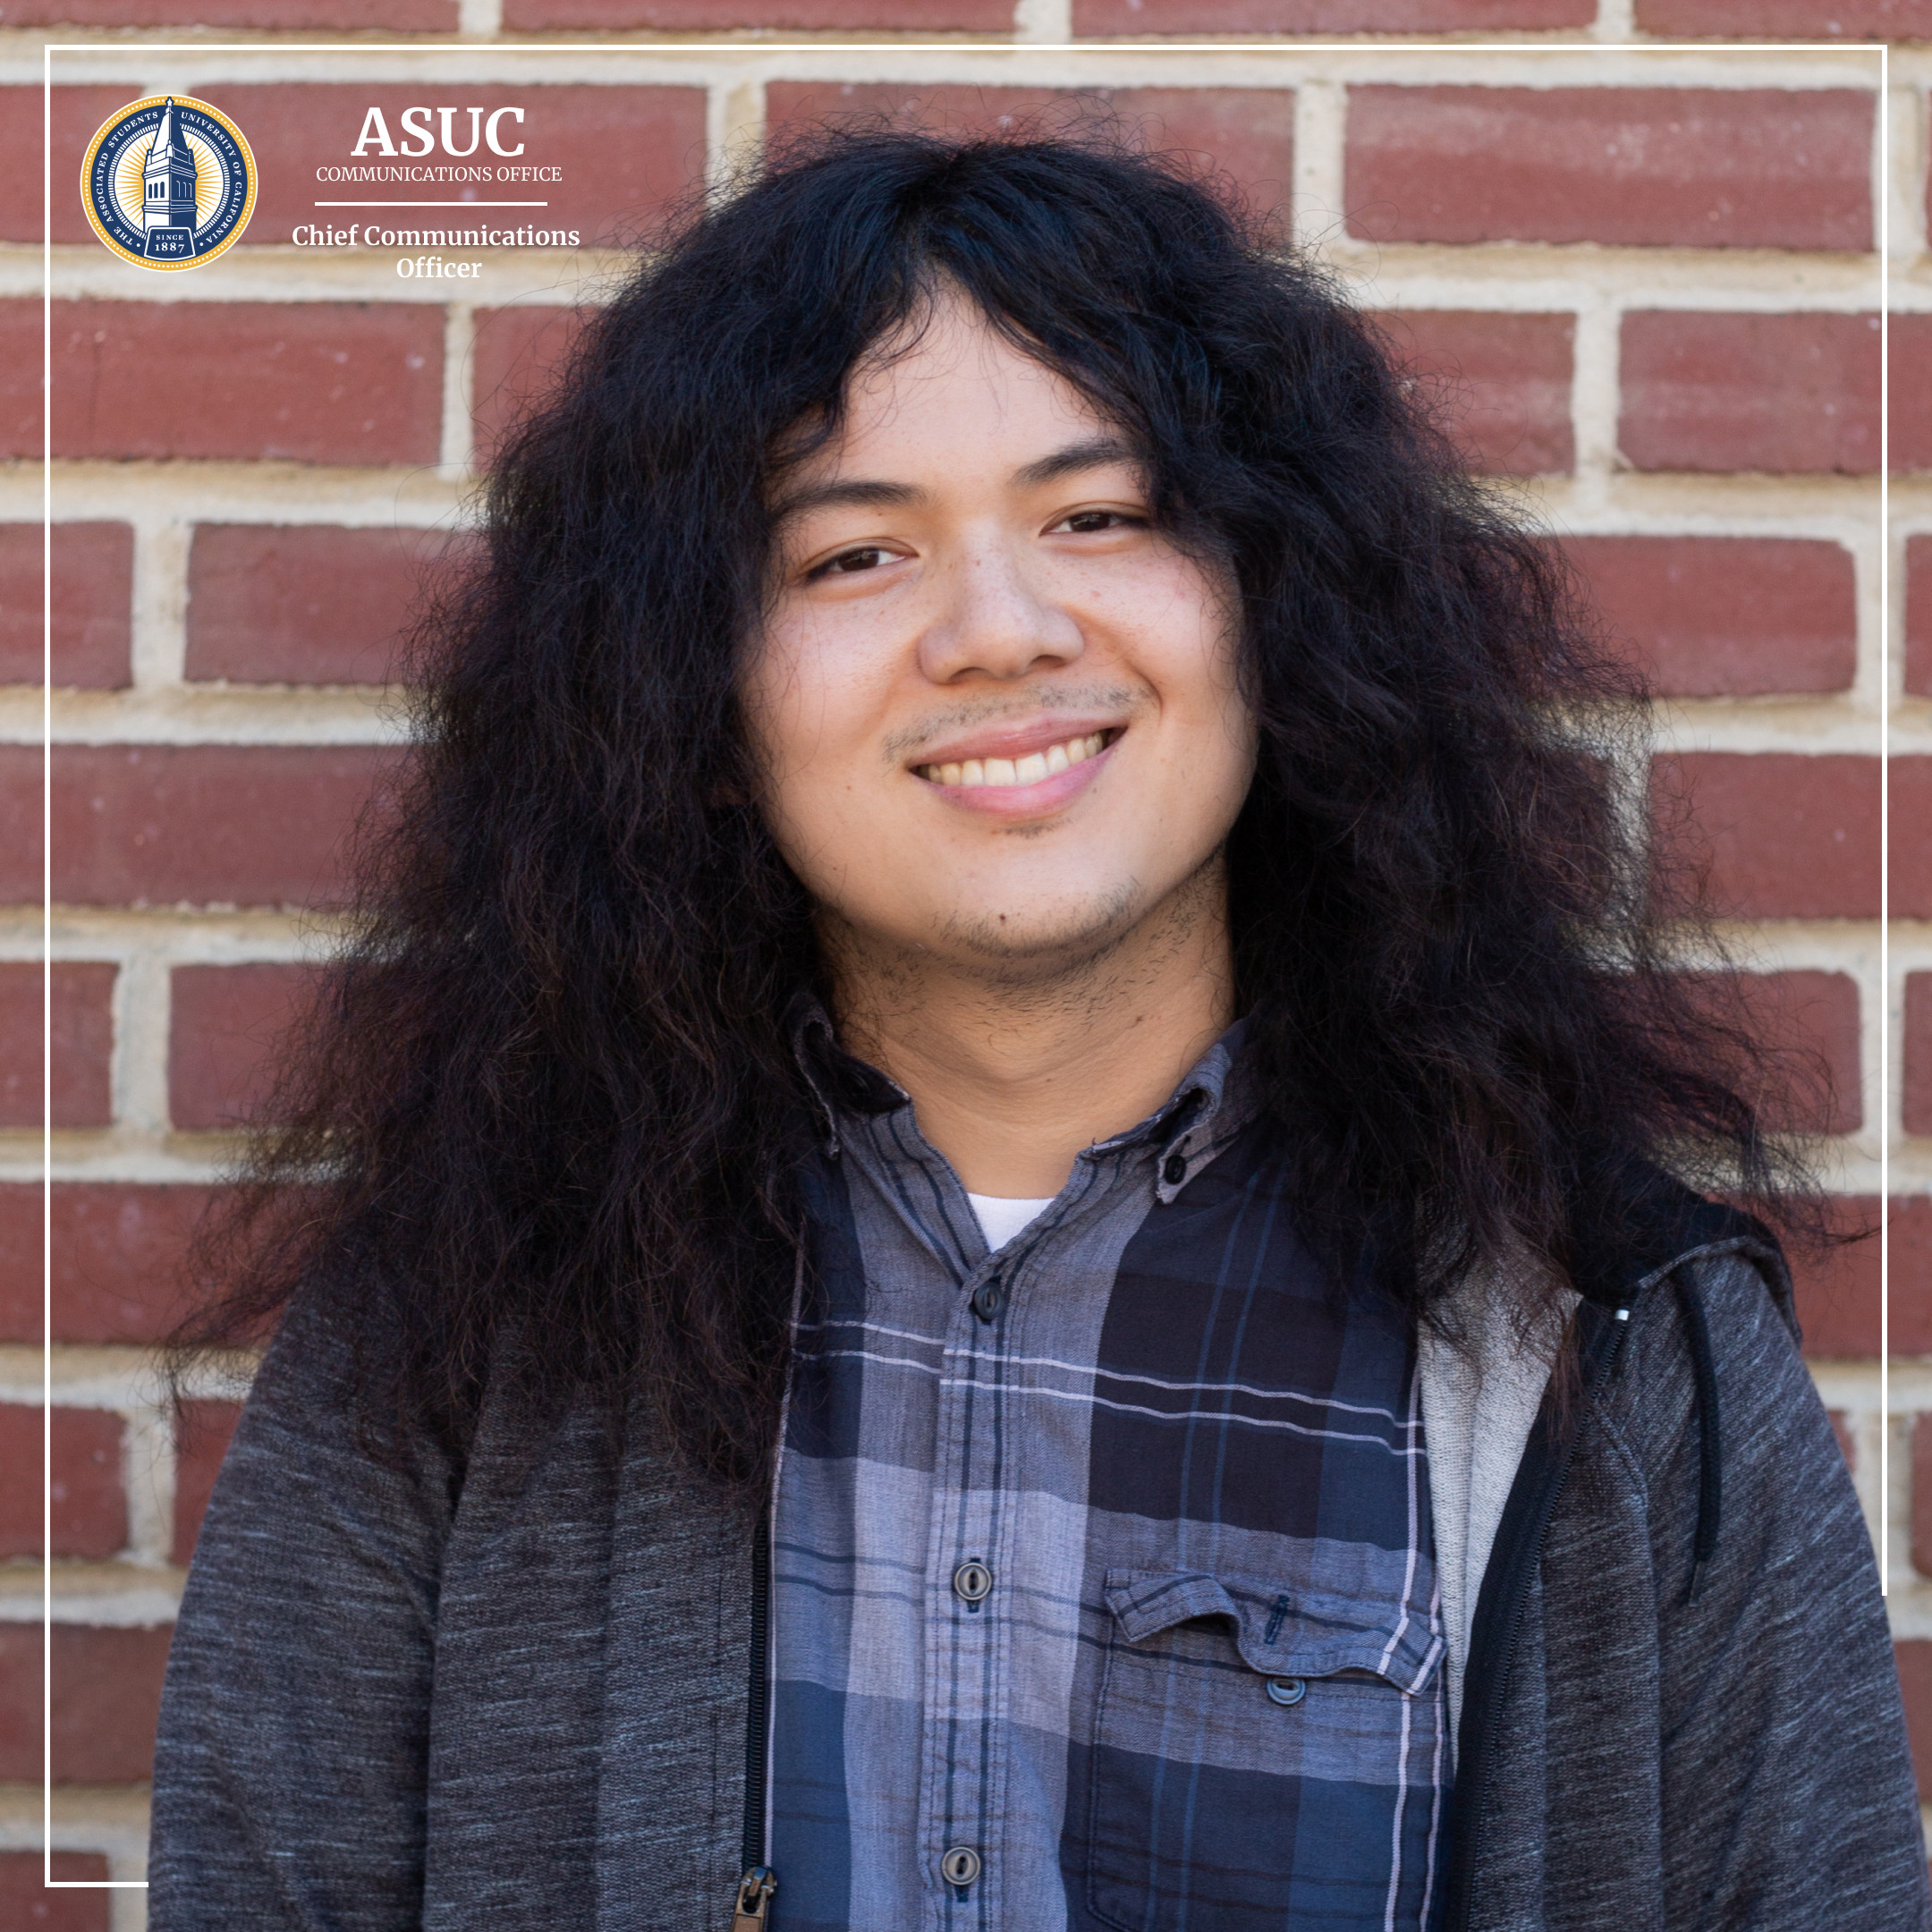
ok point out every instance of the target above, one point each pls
(1036, 801)
(1016, 740)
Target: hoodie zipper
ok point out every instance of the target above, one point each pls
(1607, 1352)
(752, 1905)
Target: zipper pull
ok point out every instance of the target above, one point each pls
(754, 1896)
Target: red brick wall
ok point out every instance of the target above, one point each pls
(1641, 289)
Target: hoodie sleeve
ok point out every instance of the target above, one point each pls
(290, 1768)
(1786, 1791)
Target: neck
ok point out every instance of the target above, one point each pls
(1012, 1073)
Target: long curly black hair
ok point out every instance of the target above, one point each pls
(543, 1125)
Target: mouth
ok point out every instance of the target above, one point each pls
(1021, 775)
(1010, 774)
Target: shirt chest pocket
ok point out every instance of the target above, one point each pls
(1256, 1747)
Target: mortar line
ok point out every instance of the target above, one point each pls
(1047, 21)
(455, 451)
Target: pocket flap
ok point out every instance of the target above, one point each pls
(1282, 1632)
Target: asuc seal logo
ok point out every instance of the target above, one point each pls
(168, 183)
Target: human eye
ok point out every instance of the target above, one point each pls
(1097, 523)
(849, 563)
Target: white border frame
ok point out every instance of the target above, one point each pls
(836, 50)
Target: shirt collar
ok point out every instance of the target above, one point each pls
(843, 1086)
(1217, 1097)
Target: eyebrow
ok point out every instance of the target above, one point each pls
(858, 493)
(863, 493)
(1097, 452)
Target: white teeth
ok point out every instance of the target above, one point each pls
(1029, 770)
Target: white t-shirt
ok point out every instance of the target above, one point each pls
(1001, 1218)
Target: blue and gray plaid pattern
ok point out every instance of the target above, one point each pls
(1204, 1690)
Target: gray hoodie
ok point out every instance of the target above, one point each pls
(517, 1693)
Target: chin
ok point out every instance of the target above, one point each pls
(1050, 937)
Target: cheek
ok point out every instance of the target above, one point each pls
(811, 715)
(1212, 765)
(1185, 638)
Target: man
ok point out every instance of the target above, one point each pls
(990, 1233)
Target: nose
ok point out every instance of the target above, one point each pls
(995, 619)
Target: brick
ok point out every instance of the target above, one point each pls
(271, 604)
(227, 825)
(1914, 1657)
(20, 378)
(82, 1028)
(1800, 20)
(1726, 616)
(73, 115)
(1777, 393)
(93, 595)
(1786, 836)
(519, 357)
(1641, 166)
(201, 1440)
(21, 771)
(720, 16)
(106, 1695)
(1921, 1496)
(625, 152)
(117, 1250)
(1916, 1052)
(223, 1025)
(1244, 133)
(27, 1904)
(1912, 393)
(1498, 383)
(21, 1251)
(347, 16)
(1097, 19)
(89, 1502)
(1838, 1294)
(1918, 615)
(1912, 849)
(299, 382)
(1806, 1024)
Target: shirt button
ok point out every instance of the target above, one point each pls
(972, 1582)
(1287, 1690)
(1175, 1170)
(959, 1866)
(986, 1301)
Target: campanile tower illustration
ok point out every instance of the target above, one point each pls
(168, 191)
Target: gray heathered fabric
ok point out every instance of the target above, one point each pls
(1738, 1762)
(523, 1705)
(385, 1707)
(1781, 1795)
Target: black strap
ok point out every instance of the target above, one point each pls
(1710, 1445)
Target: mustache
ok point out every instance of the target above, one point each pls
(998, 709)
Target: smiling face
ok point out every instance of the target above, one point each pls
(997, 707)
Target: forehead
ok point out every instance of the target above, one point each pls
(950, 388)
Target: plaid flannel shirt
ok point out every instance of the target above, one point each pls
(1103, 1579)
